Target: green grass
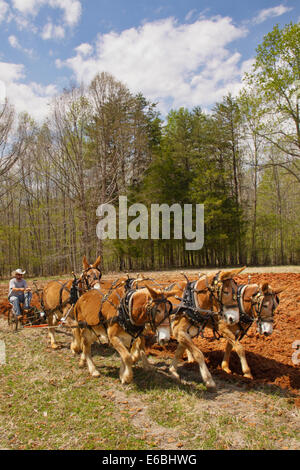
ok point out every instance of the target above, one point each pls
(47, 402)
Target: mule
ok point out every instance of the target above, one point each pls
(256, 303)
(209, 302)
(56, 298)
(120, 318)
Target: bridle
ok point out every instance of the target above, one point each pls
(257, 301)
(216, 290)
(152, 309)
(83, 277)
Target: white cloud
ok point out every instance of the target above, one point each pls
(84, 49)
(33, 97)
(11, 72)
(71, 10)
(50, 31)
(175, 64)
(3, 10)
(27, 6)
(271, 13)
(14, 42)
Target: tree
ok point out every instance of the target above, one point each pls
(227, 118)
(276, 77)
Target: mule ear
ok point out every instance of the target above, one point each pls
(265, 287)
(85, 263)
(231, 274)
(153, 292)
(97, 262)
(239, 270)
(225, 275)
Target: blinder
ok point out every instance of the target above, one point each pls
(264, 323)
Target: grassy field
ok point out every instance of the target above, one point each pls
(47, 402)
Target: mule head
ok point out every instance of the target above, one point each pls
(225, 290)
(91, 274)
(158, 311)
(267, 301)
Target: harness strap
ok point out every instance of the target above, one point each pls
(197, 316)
(124, 319)
(60, 297)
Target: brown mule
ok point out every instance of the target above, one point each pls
(120, 318)
(256, 303)
(56, 300)
(217, 296)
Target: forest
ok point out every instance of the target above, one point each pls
(241, 159)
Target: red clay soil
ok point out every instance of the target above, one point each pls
(270, 358)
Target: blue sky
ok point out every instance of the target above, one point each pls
(176, 52)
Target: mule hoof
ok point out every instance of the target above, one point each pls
(126, 380)
(82, 364)
(54, 346)
(75, 350)
(248, 376)
(211, 386)
(96, 374)
(174, 373)
(226, 369)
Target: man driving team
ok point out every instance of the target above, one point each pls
(19, 292)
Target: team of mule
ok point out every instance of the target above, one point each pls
(122, 312)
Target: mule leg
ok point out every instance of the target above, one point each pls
(233, 344)
(126, 374)
(75, 345)
(186, 341)
(240, 350)
(190, 357)
(138, 353)
(51, 323)
(225, 362)
(82, 361)
(177, 358)
(87, 341)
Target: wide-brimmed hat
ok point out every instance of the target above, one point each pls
(19, 271)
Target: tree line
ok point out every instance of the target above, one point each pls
(101, 141)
